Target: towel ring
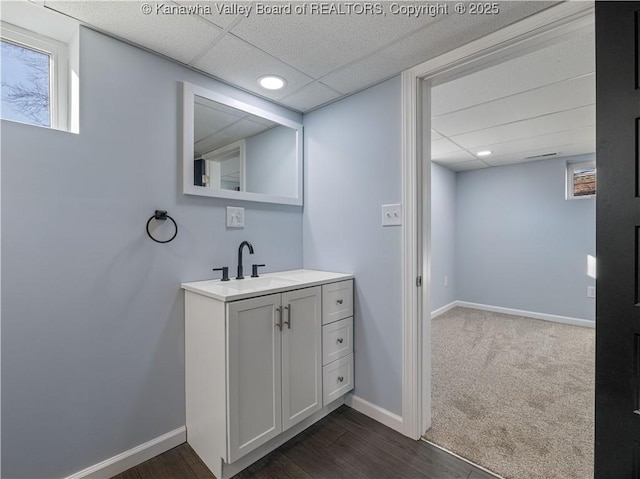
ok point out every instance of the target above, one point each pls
(162, 216)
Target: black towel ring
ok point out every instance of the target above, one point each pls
(162, 216)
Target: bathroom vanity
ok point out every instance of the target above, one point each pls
(265, 358)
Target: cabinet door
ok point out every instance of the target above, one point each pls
(301, 355)
(254, 374)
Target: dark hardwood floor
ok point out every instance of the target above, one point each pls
(343, 445)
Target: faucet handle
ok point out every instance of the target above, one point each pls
(254, 269)
(225, 272)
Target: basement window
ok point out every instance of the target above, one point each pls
(581, 180)
(34, 78)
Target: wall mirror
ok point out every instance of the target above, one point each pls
(238, 151)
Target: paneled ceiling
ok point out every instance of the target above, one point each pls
(322, 56)
(540, 105)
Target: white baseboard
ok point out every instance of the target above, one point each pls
(131, 458)
(377, 413)
(444, 309)
(529, 314)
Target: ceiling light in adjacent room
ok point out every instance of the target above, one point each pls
(484, 153)
(272, 82)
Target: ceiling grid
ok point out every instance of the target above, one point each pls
(539, 103)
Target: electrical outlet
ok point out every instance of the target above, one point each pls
(235, 217)
(591, 291)
(446, 281)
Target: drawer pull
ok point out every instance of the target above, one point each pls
(279, 323)
(340, 340)
(339, 301)
(340, 379)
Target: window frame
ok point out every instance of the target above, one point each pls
(58, 70)
(570, 172)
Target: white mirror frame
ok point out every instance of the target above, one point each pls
(189, 92)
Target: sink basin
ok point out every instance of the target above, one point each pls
(269, 283)
(252, 284)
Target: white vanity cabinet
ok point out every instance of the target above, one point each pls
(255, 371)
(275, 366)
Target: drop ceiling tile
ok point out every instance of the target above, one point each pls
(453, 157)
(574, 93)
(557, 62)
(180, 37)
(468, 165)
(207, 120)
(15, 12)
(512, 160)
(241, 129)
(262, 121)
(517, 158)
(443, 146)
(241, 64)
(384, 64)
(320, 43)
(535, 155)
(214, 12)
(310, 96)
(316, 43)
(578, 149)
(246, 128)
(443, 34)
(221, 115)
(555, 122)
(552, 142)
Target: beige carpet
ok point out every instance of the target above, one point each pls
(514, 395)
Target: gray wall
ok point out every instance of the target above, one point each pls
(520, 244)
(352, 167)
(271, 162)
(92, 311)
(443, 236)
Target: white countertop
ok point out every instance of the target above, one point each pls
(267, 283)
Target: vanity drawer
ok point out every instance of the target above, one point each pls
(337, 340)
(337, 301)
(337, 379)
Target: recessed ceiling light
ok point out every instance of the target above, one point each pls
(272, 82)
(484, 153)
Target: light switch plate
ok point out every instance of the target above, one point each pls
(235, 217)
(392, 215)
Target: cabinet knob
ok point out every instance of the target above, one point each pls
(340, 340)
(339, 301)
(340, 379)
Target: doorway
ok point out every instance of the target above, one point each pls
(551, 26)
(513, 383)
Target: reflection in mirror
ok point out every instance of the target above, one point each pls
(221, 168)
(243, 152)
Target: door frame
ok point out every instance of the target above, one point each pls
(532, 33)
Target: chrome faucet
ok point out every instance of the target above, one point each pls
(242, 245)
